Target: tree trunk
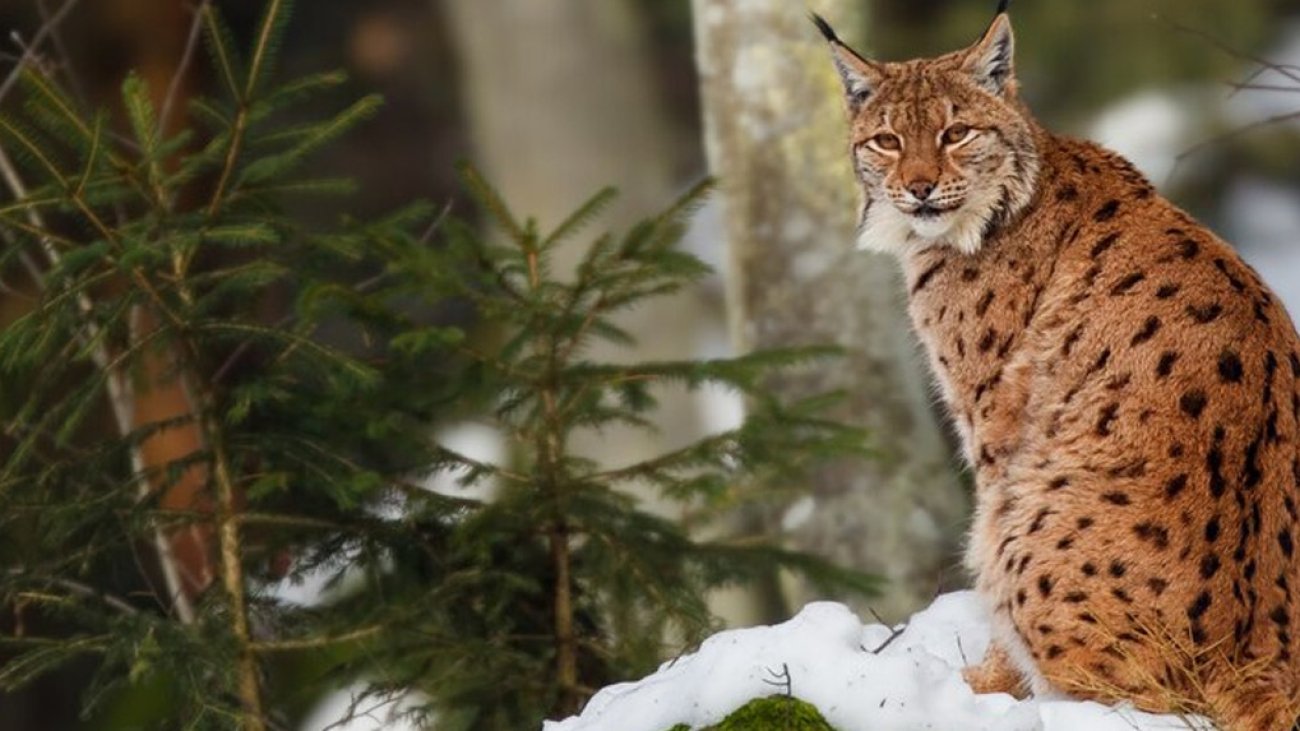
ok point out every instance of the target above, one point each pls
(561, 102)
(775, 136)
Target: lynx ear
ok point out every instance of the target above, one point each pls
(990, 60)
(860, 76)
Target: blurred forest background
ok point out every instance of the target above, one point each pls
(554, 99)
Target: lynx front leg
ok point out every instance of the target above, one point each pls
(996, 674)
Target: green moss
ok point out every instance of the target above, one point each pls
(774, 713)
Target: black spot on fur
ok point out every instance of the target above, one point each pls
(1192, 403)
(1166, 291)
(1214, 462)
(1212, 530)
(927, 275)
(1058, 483)
(1045, 585)
(1128, 282)
(1166, 364)
(1236, 283)
(1157, 585)
(1205, 314)
(986, 341)
(1209, 565)
(1285, 542)
(1198, 607)
(1105, 418)
(1068, 193)
(1250, 470)
(1198, 634)
(1279, 616)
(1089, 568)
(1130, 469)
(1107, 211)
(1105, 243)
(1187, 248)
(1090, 276)
(1117, 569)
(1156, 535)
(1175, 485)
(1076, 597)
(1039, 518)
(1103, 358)
(1148, 331)
(1083, 523)
(1117, 498)
(1229, 367)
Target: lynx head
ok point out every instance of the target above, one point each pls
(942, 147)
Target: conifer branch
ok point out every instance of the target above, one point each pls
(248, 680)
(119, 394)
(83, 590)
(312, 643)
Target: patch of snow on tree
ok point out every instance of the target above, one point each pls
(861, 678)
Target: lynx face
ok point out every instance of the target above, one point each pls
(941, 148)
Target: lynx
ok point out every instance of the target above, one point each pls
(1123, 385)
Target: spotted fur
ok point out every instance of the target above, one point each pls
(1124, 386)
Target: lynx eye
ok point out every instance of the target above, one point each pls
(885, 141)
(956, 133)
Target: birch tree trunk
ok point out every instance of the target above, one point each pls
(561, 102)
(775, 137)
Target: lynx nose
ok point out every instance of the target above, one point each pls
(920, 189)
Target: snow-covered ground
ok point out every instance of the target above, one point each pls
(858, 678)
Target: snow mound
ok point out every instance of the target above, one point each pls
(857, 676)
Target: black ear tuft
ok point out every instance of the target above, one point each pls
(827, 32)
(1003, 5)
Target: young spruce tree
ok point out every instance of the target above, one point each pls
(153, 261)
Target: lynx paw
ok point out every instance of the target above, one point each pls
(995, 674)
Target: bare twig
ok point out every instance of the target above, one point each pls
(1288, 71)
(182, 68)
(1262, 87)
(782, 680)
(56, 37)
(1263, 65)
(894, 633)
(29, 52)
(1234, 133)
(77, 587)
